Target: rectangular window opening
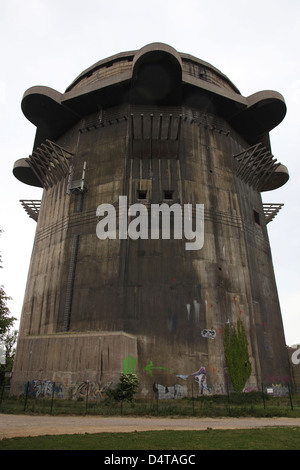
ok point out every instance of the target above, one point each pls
(256, 217)
(142, 194)
(168, 195)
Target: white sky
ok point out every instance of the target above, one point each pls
(49, 42)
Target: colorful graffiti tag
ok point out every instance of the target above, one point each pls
(200, 378)
(44, 388)
(129, 365)
(47, 388)
(170, 392)
(93, 390)
(208, 334)
(150, 367)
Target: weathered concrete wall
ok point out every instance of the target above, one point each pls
(156, 288)
(172, 304)
(69, 359)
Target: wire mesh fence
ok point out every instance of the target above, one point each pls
(47, 397)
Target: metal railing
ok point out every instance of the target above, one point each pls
(46, 397)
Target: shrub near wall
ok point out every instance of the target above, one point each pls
(237, 355)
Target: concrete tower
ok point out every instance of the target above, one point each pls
(153, 126)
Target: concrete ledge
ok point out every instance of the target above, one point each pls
(72, 358)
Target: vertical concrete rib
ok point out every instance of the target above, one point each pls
(70, 283)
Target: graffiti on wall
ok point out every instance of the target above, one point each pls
(94, 390)
(181, 391)
(200, 378)
(150, 367)
(129, 365)
(280, 390)
(44, 388)
(47, 388)
(218, 389)
(192, 307)
(175, 391)
(196, 304)
(208, 333)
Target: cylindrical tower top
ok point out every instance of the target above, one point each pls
(155, 75)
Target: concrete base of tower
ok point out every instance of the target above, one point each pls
(72, 361)
(91, 362)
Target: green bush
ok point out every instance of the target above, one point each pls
(125, 389)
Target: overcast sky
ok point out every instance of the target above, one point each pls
(49, 42)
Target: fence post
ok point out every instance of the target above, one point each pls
(228, 399)
(52, 397)
(263, 395)
(26, 395)
(227, 388)
(193, 398)
(87, 396)
(292, 408)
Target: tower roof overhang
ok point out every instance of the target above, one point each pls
(155, 74)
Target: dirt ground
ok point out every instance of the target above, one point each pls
(24, 425)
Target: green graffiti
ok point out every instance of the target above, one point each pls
(150, 367)
(129, 365)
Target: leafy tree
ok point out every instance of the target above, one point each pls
(125, 389)
(6, 321)
(10, 341)
(7, 338)
(237, 356)
(9, 344)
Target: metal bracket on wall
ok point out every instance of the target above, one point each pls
(271, 210)
(255, 166)
(50, 163)
(77, 186)
(32, 207)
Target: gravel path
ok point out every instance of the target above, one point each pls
(24, 425)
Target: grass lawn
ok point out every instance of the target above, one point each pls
(275, 438)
